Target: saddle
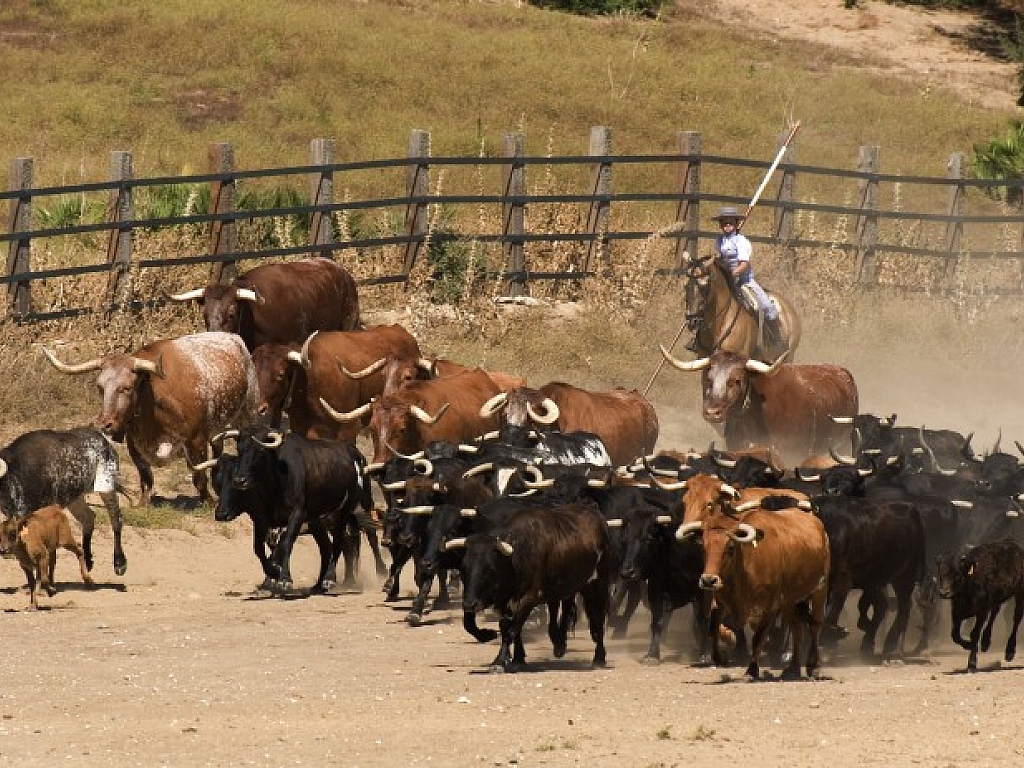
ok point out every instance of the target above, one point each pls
(772, 340)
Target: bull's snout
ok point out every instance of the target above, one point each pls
(710, 581)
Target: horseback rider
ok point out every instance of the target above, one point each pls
(733, 256)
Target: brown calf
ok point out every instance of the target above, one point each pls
(34, 540)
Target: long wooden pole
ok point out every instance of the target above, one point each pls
(750, 206)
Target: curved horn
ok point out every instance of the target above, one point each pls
(248, 294)
(746, 506)
(689, 529)
(425, 417)
(538, 484)
(842, 419)
(376, 466)
(367, 371)
(493, 435)
(202, 465)
(533, 471)
(597, 482)
(195, 293)
(693, 365)
(849, 461)
(276, 438)
(999, 439)
(423, 466)
(479, 469)
(615, 522)
(428, 365)
(409, 457)
(467, 512)
(746, 534)
(805, 505)
(89, 365)
(468, 448)
(664, 519)
(421, 510)
(728, 490)
(504, 547)
(668, 486)
(304, 352)
(455, 544)
(962, 503)
(293, 357)
(398, 485)
(720, 460)
(807, 478)
(493, 405)
(550, 415)
(148, 366)
(3, 467)
(358, 413)
(756, 366)
(931, 454)
(227, 434)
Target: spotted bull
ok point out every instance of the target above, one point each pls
(624, 420)
(46, 466)
(170, 397)
(800, 410)
(281, 303)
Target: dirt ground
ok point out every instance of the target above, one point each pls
(177, 663)
(933, 48)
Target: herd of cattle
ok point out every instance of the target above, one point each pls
(550, 496)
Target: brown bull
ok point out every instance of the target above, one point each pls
(399, 370)
(172, 396)
(762, 565)
(705, 493)
(281, 303)
(624, 420)
(800, 410)
(424, 411)
(295, 380)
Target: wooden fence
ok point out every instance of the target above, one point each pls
(596, 237)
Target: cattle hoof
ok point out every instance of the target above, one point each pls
(753, 671)
(1009, 656)
(497, 669)
(789, 673)
(120, 567)
(50, 590)
(413, 619)
(650, 661)
(559, 650)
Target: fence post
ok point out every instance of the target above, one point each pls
(119, 243)
(688, 210)
(957, 207)
(222, 200)
(417, 184)
(600, 184)
(19, 295)
(321, 229)
(867, 219)
(782, 229)
(513, 213)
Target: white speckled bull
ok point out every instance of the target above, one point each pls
(171, 396)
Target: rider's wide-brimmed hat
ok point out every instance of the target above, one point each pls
(728, 212)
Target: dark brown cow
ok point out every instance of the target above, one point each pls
(399, 370)
(173, 395)
(761, 565)
(281, 303)
(303, 376)
(792, 408)
(624, 420)
(424, 411)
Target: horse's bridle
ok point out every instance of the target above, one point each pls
(698, 284)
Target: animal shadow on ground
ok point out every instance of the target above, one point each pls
(70, 586)
(995, 666)
(180, 502)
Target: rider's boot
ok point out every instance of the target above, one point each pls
(774, 340)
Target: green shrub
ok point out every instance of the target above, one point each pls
(1002, 158)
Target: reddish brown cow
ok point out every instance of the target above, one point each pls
(792, 408)
(400, 370)
(424, 411)
(624, 420)
(317, 371)
(173, 395)
(281, 303)
(705, 493)
(785, 574)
